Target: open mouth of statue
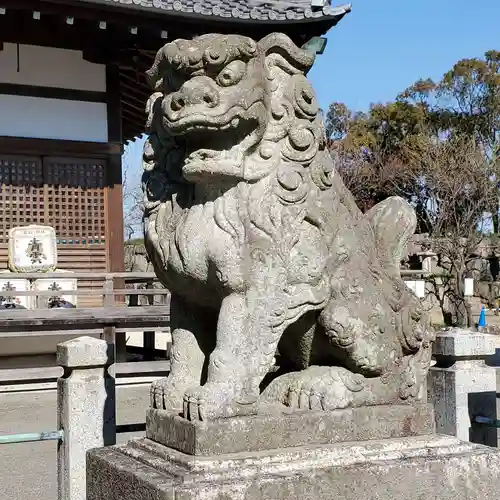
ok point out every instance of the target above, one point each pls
(206, 144)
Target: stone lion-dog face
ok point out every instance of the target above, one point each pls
(227, 100)
(261, 244)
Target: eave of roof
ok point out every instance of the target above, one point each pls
(250, 11)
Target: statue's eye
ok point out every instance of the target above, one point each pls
(231, 74)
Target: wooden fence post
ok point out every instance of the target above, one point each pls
(149, 337)
(108, 296)
(120, 339)
(85, 410)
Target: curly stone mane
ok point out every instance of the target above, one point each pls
(284, 144)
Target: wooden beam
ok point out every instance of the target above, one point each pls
(138, 103)
(113, 14)
(135, 83)
(18, 26)
(133, 111)
(113, 102)
(133, 119)
(44, 147)
(43, 319)
(52, 92)
(133, 86)
(114, 216)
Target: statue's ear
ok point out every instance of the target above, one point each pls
(154, 75)
(278, 43)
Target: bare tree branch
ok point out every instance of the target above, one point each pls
(133, 202)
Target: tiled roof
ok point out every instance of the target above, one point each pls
(249, 10)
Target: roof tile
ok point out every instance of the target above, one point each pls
(258, 10)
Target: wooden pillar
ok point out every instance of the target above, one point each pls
(114, 198)
(114, 207)
(115, 252)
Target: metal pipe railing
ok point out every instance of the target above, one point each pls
(32, 437)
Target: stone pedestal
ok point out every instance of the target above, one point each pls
(461, 385)
(345, 454)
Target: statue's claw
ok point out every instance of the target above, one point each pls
(206, 403)
(213, 401)
(165, 396)
(316, 388)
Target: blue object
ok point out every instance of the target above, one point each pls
(482, 317)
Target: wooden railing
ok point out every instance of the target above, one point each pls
(112, 287)
(110, 323)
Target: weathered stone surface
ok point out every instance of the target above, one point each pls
(459, 342)
(462, 386)
(82, 352)
(286, 429)
(85, 410)
(414, 468)
(250, 227)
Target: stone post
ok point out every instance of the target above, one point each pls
(427, 261)
(461, 386)
(85, 410)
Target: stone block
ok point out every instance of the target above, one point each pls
(458, 342)
(85, 410)
(461, 385)
(285, 429)
(411, 468)
(82, 352)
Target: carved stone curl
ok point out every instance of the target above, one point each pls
(251, 228)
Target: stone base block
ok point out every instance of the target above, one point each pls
(411, 468)
(281, 427)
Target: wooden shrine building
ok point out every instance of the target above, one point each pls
(73, 92)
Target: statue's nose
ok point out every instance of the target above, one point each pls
(190, 95)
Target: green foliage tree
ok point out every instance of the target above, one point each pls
(437, 145)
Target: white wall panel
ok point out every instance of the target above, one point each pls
(35, 117)
(49, 67)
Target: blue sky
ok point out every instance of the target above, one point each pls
(383, 46)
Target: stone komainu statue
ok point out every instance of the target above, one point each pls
(262, 246)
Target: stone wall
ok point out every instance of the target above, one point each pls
(136, 258)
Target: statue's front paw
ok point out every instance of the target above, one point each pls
(165, 395)
(205, 403)
(213, 401)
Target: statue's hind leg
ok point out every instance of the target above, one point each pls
(373, 319)
(334, 387)
(374, 324)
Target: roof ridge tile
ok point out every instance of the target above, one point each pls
(257, 10)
